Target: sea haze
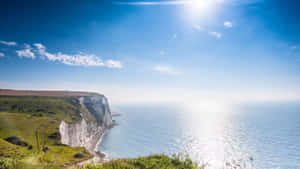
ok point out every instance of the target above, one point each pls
(260, 136)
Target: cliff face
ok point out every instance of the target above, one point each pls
(98, 107)
(88, 132)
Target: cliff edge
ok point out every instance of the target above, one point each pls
(58, 118)
(88, 132)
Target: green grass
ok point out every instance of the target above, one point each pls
(150, 162)
(28, 118)
(24, 127)
(65, 155)
(62, 108)
(8, 150)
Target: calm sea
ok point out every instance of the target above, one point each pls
(259, 136)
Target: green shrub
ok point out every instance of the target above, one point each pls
(151, 162)
(6, 163)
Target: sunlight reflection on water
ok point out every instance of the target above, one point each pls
(221, 140)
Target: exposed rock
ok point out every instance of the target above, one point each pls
(80, 134)
(88, 132)
(99, 108)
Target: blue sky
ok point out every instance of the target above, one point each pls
(156, 50)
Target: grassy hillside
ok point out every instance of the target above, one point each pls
(62, 108)
(29, 130)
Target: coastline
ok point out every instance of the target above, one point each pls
(81, 128)
(99, 156)
(96, 150)
(86, 133)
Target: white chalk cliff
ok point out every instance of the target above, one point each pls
(88, 132)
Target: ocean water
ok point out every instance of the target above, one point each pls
(258, 136)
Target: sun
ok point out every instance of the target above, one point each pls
(201, 4)
(201, 9)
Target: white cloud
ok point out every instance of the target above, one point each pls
(26, 53)
(41, 49)
(228, 24)
(80, 59)
(166, 69)
(216, 34)
(39, 46)
(113, 64)
(8, 43)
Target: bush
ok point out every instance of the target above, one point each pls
(152, 162)
(16, 140)
(79, 155)
(11, 164)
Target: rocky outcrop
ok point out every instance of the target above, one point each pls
(98, 107)
(88, 132)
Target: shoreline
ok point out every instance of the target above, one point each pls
(91, 134)
(99, 156)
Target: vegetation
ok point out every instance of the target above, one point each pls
(151, 162)
(62, 108)
(29, 131)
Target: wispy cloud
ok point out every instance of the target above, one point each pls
(77, 60)
(217, 35)
(40, 46)
(41, 50)
(80, 59)
(26, 53)
(175, 2)
(2, 54)
(113, 64)
(166, 69)
(228, 24)
(8, 43)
